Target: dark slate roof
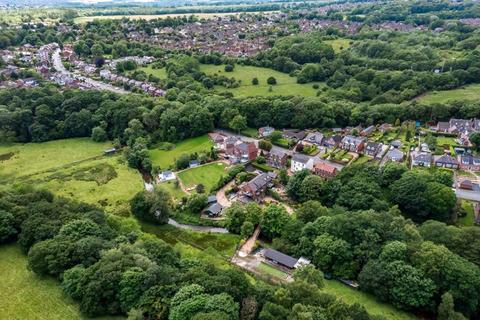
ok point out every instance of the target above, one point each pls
(447, 160)
(423, 157)
(211, 199)
(298, 157)
(280, 258)
(261, 181)
(214, 209)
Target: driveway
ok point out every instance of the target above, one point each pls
(196, 228)
(467, 194)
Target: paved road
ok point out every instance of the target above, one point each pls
(58, 65)
(467, 195)
(196, 228)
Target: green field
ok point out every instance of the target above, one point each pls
(268, 269)
(152, 16)
(29, 158)
(159, 73)
(166, 158)
(208, 175)
(374, 307)
(225, 244)
(286, 85)
(470, 92)
(467, 221)
(339, 45)
(74, 168)
(24, 296)
(176, 193)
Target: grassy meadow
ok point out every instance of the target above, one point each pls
(286, 85)
(23, 295)
(166, 158)
(159, 73)
(176, 192)
(469, 92)
(208, 175)
(339, 45)
(372, 305)
(73, 168)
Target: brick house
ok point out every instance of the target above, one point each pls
(324, 170)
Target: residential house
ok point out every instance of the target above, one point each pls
(372, 148)
(442, 127)
(214, 210)
(166, 176)
(469, 162)
(352, 143)
(277, 158)
(193, 163)
(447, 161)
(396, 144)
(211, 199)
(460, 126)
(422, 159)
(333, 141)
(300, 162)
(279, 258)
(257, 187)
(244, 152)
(385, 127)
(367, 131)
(265, 131)
(314, 138)
(293, 134)
(218, 140)
(324, 170)
(395, 155)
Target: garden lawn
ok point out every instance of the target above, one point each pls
(23, 295)
(29, 158)
(208, 175)
(442, 140)
(373, 306)
(268, 269)
(470, 92)
(224, 243)
(286, 85)
(467, 221)
(176, 192)
(166, 158)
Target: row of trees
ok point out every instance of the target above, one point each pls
(399, 262)
(111, 268)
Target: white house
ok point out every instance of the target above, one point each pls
(300, 162)
(166, 176)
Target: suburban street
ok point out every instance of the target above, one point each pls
(58, 65)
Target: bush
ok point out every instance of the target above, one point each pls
(229, 68)
(271, 81)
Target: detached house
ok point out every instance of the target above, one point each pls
(242, 152)
(367, 131)
(352, 143)
(277, 158)
(372, 148)
(300, 162)
(265, 131)
(395, 155)
(314, 138)
(447, 161)
(324, 170)
(257, 187)
(423, 159)
(469, 162)
(333, 141)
